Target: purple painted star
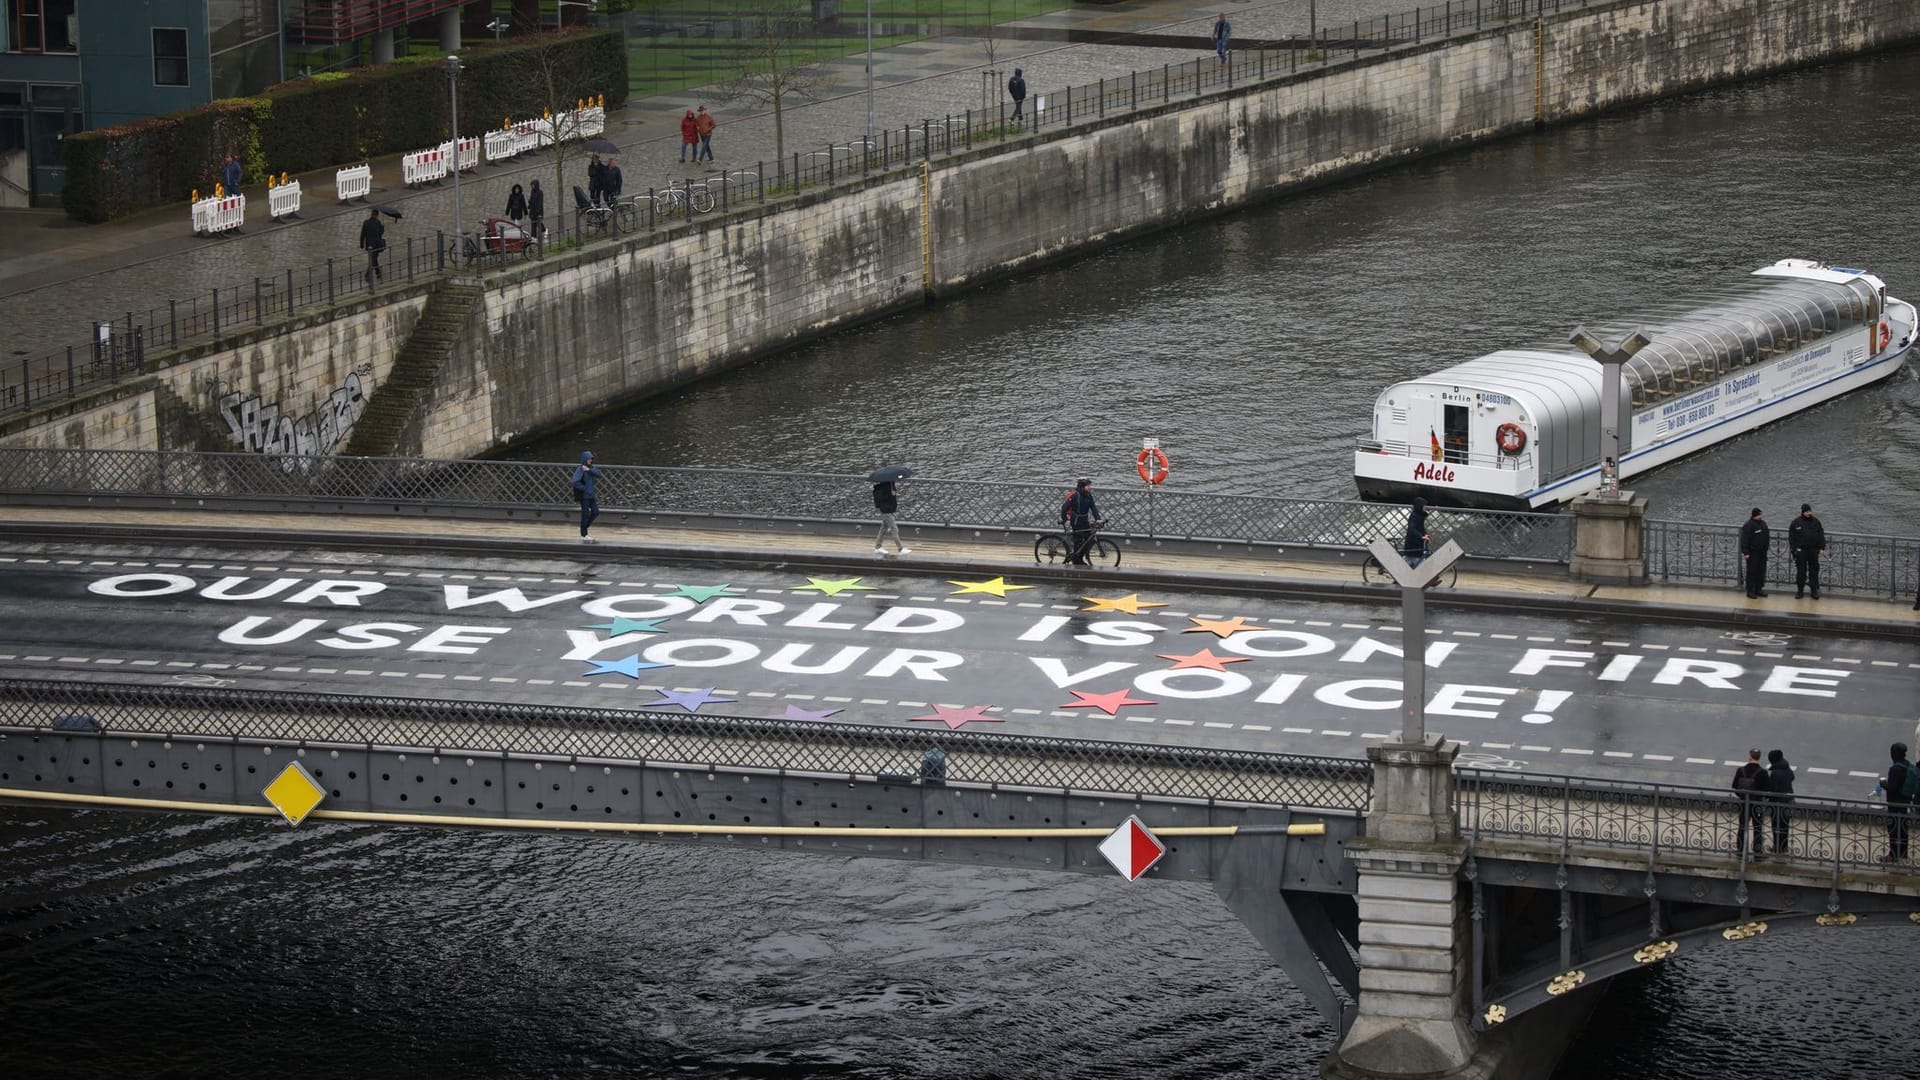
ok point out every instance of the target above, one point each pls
(795, 712)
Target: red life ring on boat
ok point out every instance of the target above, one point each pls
(1512, 439)
(1886, 335)
(1151, 465)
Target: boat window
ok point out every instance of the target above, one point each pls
(1455, 423)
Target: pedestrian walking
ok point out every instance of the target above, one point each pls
(1413, 546)
(537, 212)
(516, 205)
(1750, 787)
(1222, 33)
(1017, 90)
(613, 180)
(1755, 538)
(1080, 514)
(1807, 540)
(585, 480)
(689, 136)
(1899, 787)
(596, 180)
(230, 176)
(1780, 797)
(373, 241)
(886, 499)
(703, 125)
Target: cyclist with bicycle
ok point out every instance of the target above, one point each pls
(1080, 515)
(1414, 546)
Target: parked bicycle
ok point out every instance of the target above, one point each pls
(676, 198)
(1055, 548)
(1373, 573)
(593, 217)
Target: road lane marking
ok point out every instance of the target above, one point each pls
(1700, 761)
(1571, 750)
(1329, 731)
(1865, 775)
(1658, 757)
(1613, 753)
(1297, 730)
(1255, 727)
(1823, 772)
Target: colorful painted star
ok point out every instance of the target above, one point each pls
(1131, 604)
(832, 586)
(700, 594)
(1202, 659)
(795, 712)
(1218, 627)
(959, 718)
(630, 666)
(997, 587)
(690, 700)
(620, 625)
(1110, 704)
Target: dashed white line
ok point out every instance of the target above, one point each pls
(1329, 731)
(1700, 761)
(1176, 723)
(1613, 753)
(1658, 757)
(1255, 727)
(1571, 750)
(1297, 730)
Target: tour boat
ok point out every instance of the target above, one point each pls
(1521, 428)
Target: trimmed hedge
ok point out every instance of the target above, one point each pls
(334, 121)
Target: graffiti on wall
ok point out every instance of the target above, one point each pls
(262, 427)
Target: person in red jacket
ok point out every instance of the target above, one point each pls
(689, 136)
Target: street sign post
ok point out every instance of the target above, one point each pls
(1132, 849)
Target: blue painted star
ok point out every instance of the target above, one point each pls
(700, 594)
(629, 666)
(795, 712)
(621, 625)
(690, 700)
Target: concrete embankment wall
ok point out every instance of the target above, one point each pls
(588, 330)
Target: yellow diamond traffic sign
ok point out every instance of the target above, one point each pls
(294, 793)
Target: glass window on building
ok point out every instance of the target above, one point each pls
(13, 118)
(244, 37)
(41, 25)
(170, 56)
(239, 22)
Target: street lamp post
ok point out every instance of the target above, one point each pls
(869, 76)
(1413, 582)
(453, 103)
(1610, 360)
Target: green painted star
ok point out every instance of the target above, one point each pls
(628, 626)
(832, 586)
(700, 594)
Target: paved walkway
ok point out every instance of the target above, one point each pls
(58, 277)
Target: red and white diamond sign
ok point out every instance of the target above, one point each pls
(1132, 849)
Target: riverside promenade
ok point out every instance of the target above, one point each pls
(58, 277)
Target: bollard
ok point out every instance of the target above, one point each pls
(969, 129)
(829, 163)
(1102, 108)
(1166, 84)
(173, 322)
(216, 311)
(439, 252)
(1229, 70)
(329, 281)
(289, 290)
(23, 370)
(650, 207)
(258, 314)
(796, 170)
(409, 260)
(1134, 101)
(760, 179)
(140, 348)
(1196, 77)
(926, 140)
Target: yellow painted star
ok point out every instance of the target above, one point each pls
(997, 587)
(1218, 627)
(832, 586)
(1131, 604)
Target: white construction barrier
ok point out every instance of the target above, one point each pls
(212, 216)
(499, 145)
(354, 183)
(425, 166)
(591, 122)
(469, 153)
(283, 200)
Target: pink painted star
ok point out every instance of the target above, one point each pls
(1107, 703)
(959, 718)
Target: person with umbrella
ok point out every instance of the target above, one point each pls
(373, 241)
(886, 499)
(596, 179)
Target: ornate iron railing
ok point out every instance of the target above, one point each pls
(492, 488)
(1853, 562)
(726, 742)
(1657, 819)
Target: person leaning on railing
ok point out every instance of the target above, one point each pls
(1898, 787)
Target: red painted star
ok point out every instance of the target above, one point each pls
(1107, 703)
(1202, 659)
(958, 718)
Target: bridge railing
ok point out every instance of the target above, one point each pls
(1853, 562)
(1652, 820)
(778, 745)
(499, 488)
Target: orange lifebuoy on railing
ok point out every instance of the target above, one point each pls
(1886, 335)
(1152, 465)
(1512, 438)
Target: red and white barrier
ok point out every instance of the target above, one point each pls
(590, 122)
(498, 145)
(354, 183)
(283, 200)
(426, 166)
(219, 215)
(469, 153)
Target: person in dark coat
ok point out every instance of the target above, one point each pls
(1780, 796)
(886, 499)
(614, 180)
(1755, 538)
(1750, 787)
(230, 176)
(1080, 514)
(516, 205)
(373, 241)
(1017, 90)
(585, 479)
(596, 179)
(1807, 540)
(1222, 35)
(537, 212)
(1898, 805)
(1414, 545)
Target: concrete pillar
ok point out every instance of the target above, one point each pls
(450, 31)
(1609, 540)
(383, 47)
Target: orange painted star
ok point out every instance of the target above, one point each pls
(1107, 703)
(1218, 627)
(1131, 603)
(1202, 659)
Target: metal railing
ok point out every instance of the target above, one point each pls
(489, 488)
(727, 742)
(1657, 819)
(1853, 562)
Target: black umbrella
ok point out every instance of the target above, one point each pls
(889, 474)
(601, 146)
(383, 208)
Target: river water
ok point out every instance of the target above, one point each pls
(1253, 345)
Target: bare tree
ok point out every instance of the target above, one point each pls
(771, 64)
(553, 83)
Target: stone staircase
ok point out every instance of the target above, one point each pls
(395, 404)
